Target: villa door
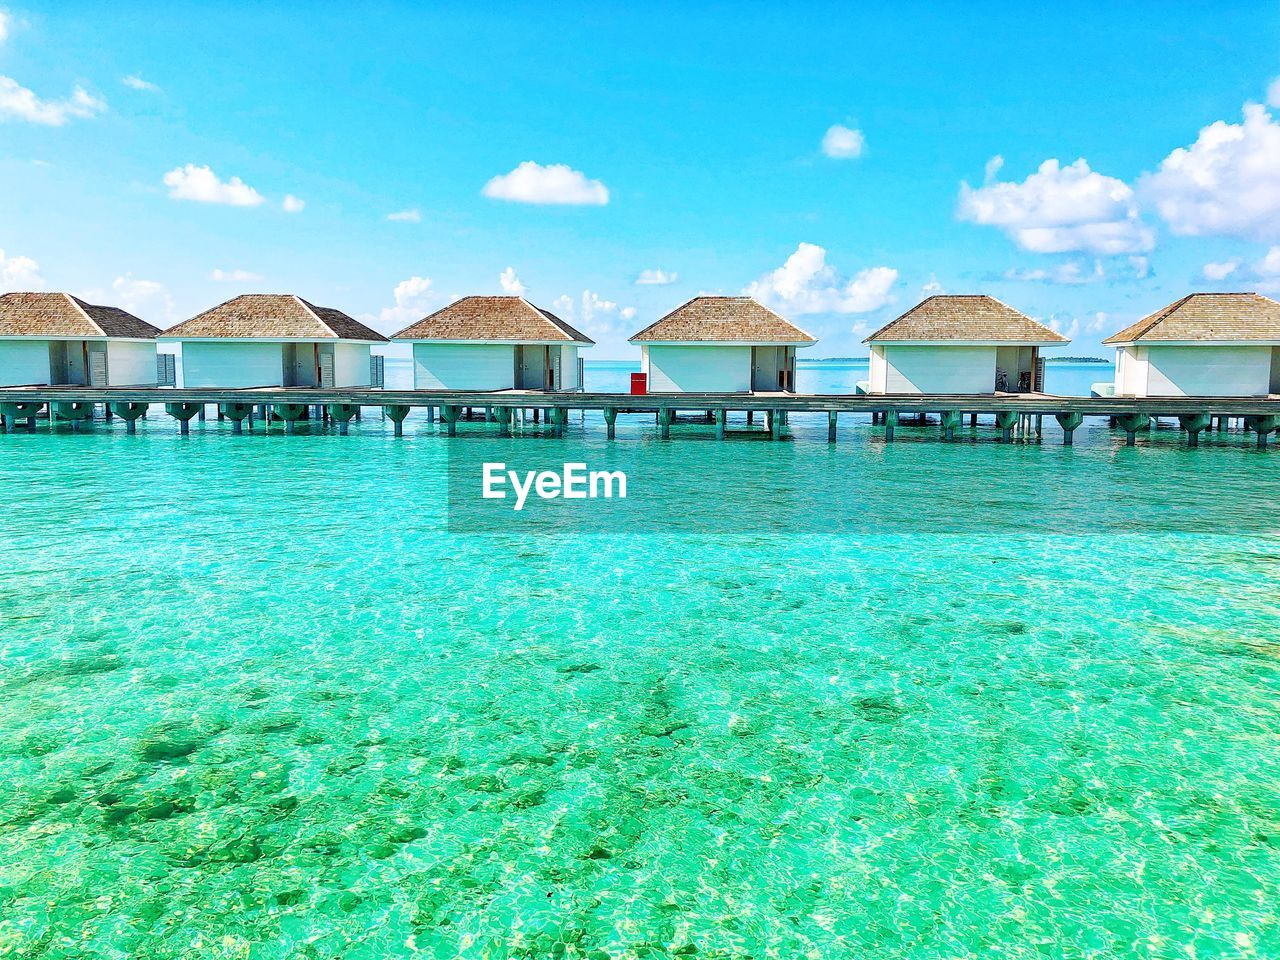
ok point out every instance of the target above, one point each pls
(767, 364)
(326, 366)
(532, 367)
(97, 365)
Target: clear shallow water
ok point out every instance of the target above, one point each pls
(257, 700)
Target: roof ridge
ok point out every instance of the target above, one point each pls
(80, 305)
(315, 312)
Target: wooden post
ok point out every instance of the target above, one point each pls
(775, 424)
(1068, 422)
(611, 422)
(890, 420)
(561, 420)
(831, 426)
(950, 418)
(721, 417)
(973, 419)
(751, 416)
(1039, 426)
(664, 423)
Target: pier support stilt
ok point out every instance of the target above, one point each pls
(774, 419)
(665, 417)
(1262, 426)
(449, 414)
(16, 411)
(396, 413)
(129, 413)
(182, 412)
(1193, 424)
(611, 422)
(343, 413)
(751, 417)
(1068, 422)
(831, 426)
(890, 420)
(950, 420)
(237, 413)
(1005, 420)
(1131, 423)
(722, 417)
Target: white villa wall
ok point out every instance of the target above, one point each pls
(1237, 370)
(24, 362)
(351, 364)
(699, 368)
(464, 366)
(878, 371)
(214, 363)
(568, 378)
(131, 364)
(925, 368)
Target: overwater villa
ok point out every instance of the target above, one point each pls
(959, 344)
(274, 340)
(494, 343)
(1204, 345)
(720, 345)
(56, 339)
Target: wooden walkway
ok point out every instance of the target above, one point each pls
(1013, 412)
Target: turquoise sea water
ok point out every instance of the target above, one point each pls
(264, 697)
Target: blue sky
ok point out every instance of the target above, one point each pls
(657, 142)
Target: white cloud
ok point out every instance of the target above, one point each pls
(843, 143)
(405, 216)
(1098, 323)
(806, 283)
(1064, 324)
(5, 21)
(1273, 94)
(992, 168)
(511, 283)
(19, 273)
(415, 298)
(292, 204)
(1060, 209)
(202, 185)
(557, 183)
(1265, 273)
(1073, 272)
(932, 288)
(656, 278)
(233, 276)
(1226, 183)
(142, 297)
(19, 103)
(602, 316)
(1220, 271)
(135, 82)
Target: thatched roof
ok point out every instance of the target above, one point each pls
(1208, 317)
(501, 319)
(272, 316)
(966, 318)
(722, 320)
(62, 315)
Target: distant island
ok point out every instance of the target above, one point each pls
(1076, 360)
